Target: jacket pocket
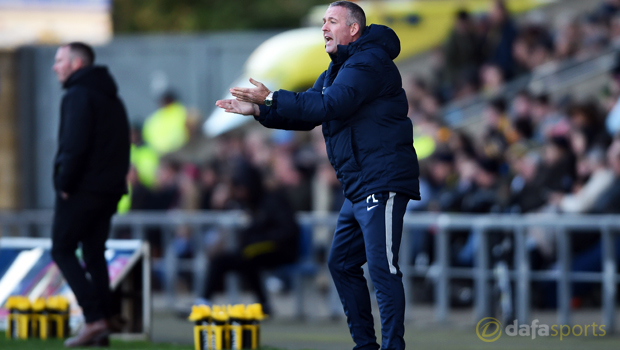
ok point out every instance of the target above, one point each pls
(354, 149)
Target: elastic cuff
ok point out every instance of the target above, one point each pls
(263, 113)
(274, 102)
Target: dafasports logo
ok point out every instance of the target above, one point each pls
(489, 330)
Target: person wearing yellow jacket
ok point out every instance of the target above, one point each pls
(165, 130)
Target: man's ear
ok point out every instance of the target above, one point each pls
(355, 29)
(76, 63)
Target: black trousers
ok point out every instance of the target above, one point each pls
(249, 269)
(84, 218)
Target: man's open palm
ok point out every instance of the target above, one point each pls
(234, 106)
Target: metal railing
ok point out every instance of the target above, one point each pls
(38, 223)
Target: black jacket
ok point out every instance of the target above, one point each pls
(273, 229)
(93, 138)
(362, 106)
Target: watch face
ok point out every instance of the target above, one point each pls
(268, 103)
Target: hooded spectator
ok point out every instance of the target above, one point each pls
(271, 239)
(462, 50)
(500, 38)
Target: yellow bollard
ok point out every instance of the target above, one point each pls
(11, 321)
(58, 316)
(248, 330)
(219, 327)
(255, 316)
(39, 319)
(235, 328)
(19, 326)
(201, 316)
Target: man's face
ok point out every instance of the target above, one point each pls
(335, 29)
(65, 64)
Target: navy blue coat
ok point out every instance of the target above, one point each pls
(363, 108)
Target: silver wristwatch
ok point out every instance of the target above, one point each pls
(269, 99)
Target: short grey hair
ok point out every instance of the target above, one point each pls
(355, 14)
(83, 51)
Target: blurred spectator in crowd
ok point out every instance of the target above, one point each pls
(587, 119)
(462, 51)
(437, 184)
(498, 134)
(609, 201)
(555, 176)
(491, 79)
(165, 192)
(287, 171)
(209, 178)
(596, 178)
(610, 98)
(271, 240)
(614, 31)
(144, 159)
(451, 199)
(164, 195)
(521, 106)
(499, 39)
(258, 150)
(546, 118)
(144, 162)
(533, 47)
(609, 8)
(482, 198)
(166, 130)
(595, 36)
(612, 121)
(440, 178)
(189, 198)
(558, 168)
(189, 190)
(524, 188)
(567, 43)
(522, 130)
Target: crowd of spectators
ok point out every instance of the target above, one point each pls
(483, 51)
(536, 153)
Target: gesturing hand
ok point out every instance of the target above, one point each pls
(234, 106)
(255, 95)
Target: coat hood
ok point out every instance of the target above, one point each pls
(96, 78)
(375, 35)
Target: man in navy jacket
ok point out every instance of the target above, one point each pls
(362, 107)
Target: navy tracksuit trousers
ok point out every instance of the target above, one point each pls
(370, 231)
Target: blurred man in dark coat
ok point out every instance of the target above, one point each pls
(271, 239)
(90, 171)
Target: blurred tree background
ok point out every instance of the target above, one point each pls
(140, 16)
